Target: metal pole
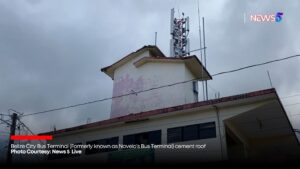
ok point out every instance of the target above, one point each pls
(155, 38)
(12, 132)
(270, 79)
(219, 127)
(204, 54)
(200, 41)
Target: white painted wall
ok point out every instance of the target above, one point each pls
(211, 153)
(128, 78)
(189, 91)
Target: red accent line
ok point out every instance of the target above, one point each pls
(34, 137)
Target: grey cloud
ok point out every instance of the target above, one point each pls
(51, 51)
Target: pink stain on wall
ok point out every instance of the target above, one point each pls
(122, 105)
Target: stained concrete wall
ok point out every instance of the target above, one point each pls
(130, 79)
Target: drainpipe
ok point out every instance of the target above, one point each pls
(219, 127)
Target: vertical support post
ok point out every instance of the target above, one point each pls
(155, 38)
(220, 132)
(12, 132)
(204, 58)
(200, 43)
(270, 80)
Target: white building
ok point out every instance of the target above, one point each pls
(149, 68)
(249, 126)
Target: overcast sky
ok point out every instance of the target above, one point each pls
(52, 50)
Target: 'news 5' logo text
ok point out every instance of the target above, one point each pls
(266, 17)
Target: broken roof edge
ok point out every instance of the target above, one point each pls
(143, 115)
(154, 50)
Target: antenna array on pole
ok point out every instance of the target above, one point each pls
(179, 44)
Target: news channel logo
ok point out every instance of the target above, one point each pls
(264, 18)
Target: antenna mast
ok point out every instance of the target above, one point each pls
(201, 56)
(179, 44)
(204, 57)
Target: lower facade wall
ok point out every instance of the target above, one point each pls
(215, 147)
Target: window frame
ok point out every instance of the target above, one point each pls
(207, 126)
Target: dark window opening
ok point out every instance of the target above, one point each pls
(207, 130)
(152, 137)
(174, 135)
(192, 132)
(195, 87)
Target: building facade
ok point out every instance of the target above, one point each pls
(149, 68)
(172, 125)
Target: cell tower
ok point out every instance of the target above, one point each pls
(179, 44)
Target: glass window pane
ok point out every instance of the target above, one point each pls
(155, 137)
(174, 134)
(190, 132)
(129, 139)
(207, 130)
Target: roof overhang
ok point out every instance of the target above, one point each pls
(154, 51)
(191, 62)
(265, 128)
(264, 121)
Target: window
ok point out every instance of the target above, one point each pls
(102, 142)
(195, 90)
(207, 130)
(175, 135)
(192, 132)
(152, 137)
(195, 87)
